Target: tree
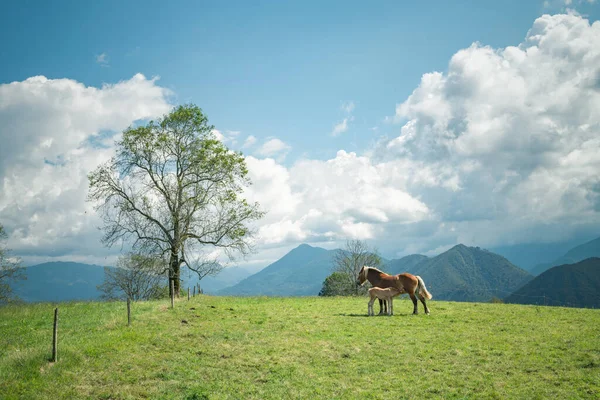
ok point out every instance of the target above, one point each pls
(351, 259)
(136, 277)
(336, 284)
(173, 190)
(10, 269)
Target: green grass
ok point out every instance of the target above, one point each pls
(276, 348)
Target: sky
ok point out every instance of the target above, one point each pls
(414, 126)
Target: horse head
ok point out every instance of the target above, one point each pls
(362, 276)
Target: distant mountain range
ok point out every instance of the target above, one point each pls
(464, 273)
(574, 285)
(461, 274)
(576, 254)
(300, 272)
(65, 281)
(60, 281)
(529, 255)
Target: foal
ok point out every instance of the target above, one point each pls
(386, 294)
(405, 283)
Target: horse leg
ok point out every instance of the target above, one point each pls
(382, 306)
(370, 307)
(415, 303)
(391, 307)
(422, 298)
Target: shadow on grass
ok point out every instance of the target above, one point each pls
(376, 315)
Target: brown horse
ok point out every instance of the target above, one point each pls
(405, 283)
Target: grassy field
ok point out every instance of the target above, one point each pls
(286, 348)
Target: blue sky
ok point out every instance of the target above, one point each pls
(412, 125)
(268, 68)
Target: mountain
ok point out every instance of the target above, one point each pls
(529, 255)
(60, 281)
(404, 264)
(300, 272)
(575, 285)
(470, 274)
(576, 254)
(66, 281)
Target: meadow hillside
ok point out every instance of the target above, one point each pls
(307, 348)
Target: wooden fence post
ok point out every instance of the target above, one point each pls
(55, 336)
(172, 293)
(128, 311)
(194, 295)
(188, 293)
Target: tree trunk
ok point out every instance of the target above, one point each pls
(177, 281)
(174, 273)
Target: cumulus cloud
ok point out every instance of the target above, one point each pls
(274, 147)
(53, 133)
(507, 139)
(328, 201)
(502, 148)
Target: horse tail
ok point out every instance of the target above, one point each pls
(422, 289)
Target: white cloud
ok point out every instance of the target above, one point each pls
(505, 144)
(249, 142)
(324, 201)
(341, 127)
(228, 137)
(503, 148)
(53, 133)
(102, 59)
(274, 148)
(218, 135)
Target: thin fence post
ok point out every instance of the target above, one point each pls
(172, 294)
(194, 295)
(55, 337)
(128, 311)
(188, 293)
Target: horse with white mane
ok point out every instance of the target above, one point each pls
(405, 283)
(386, 294)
